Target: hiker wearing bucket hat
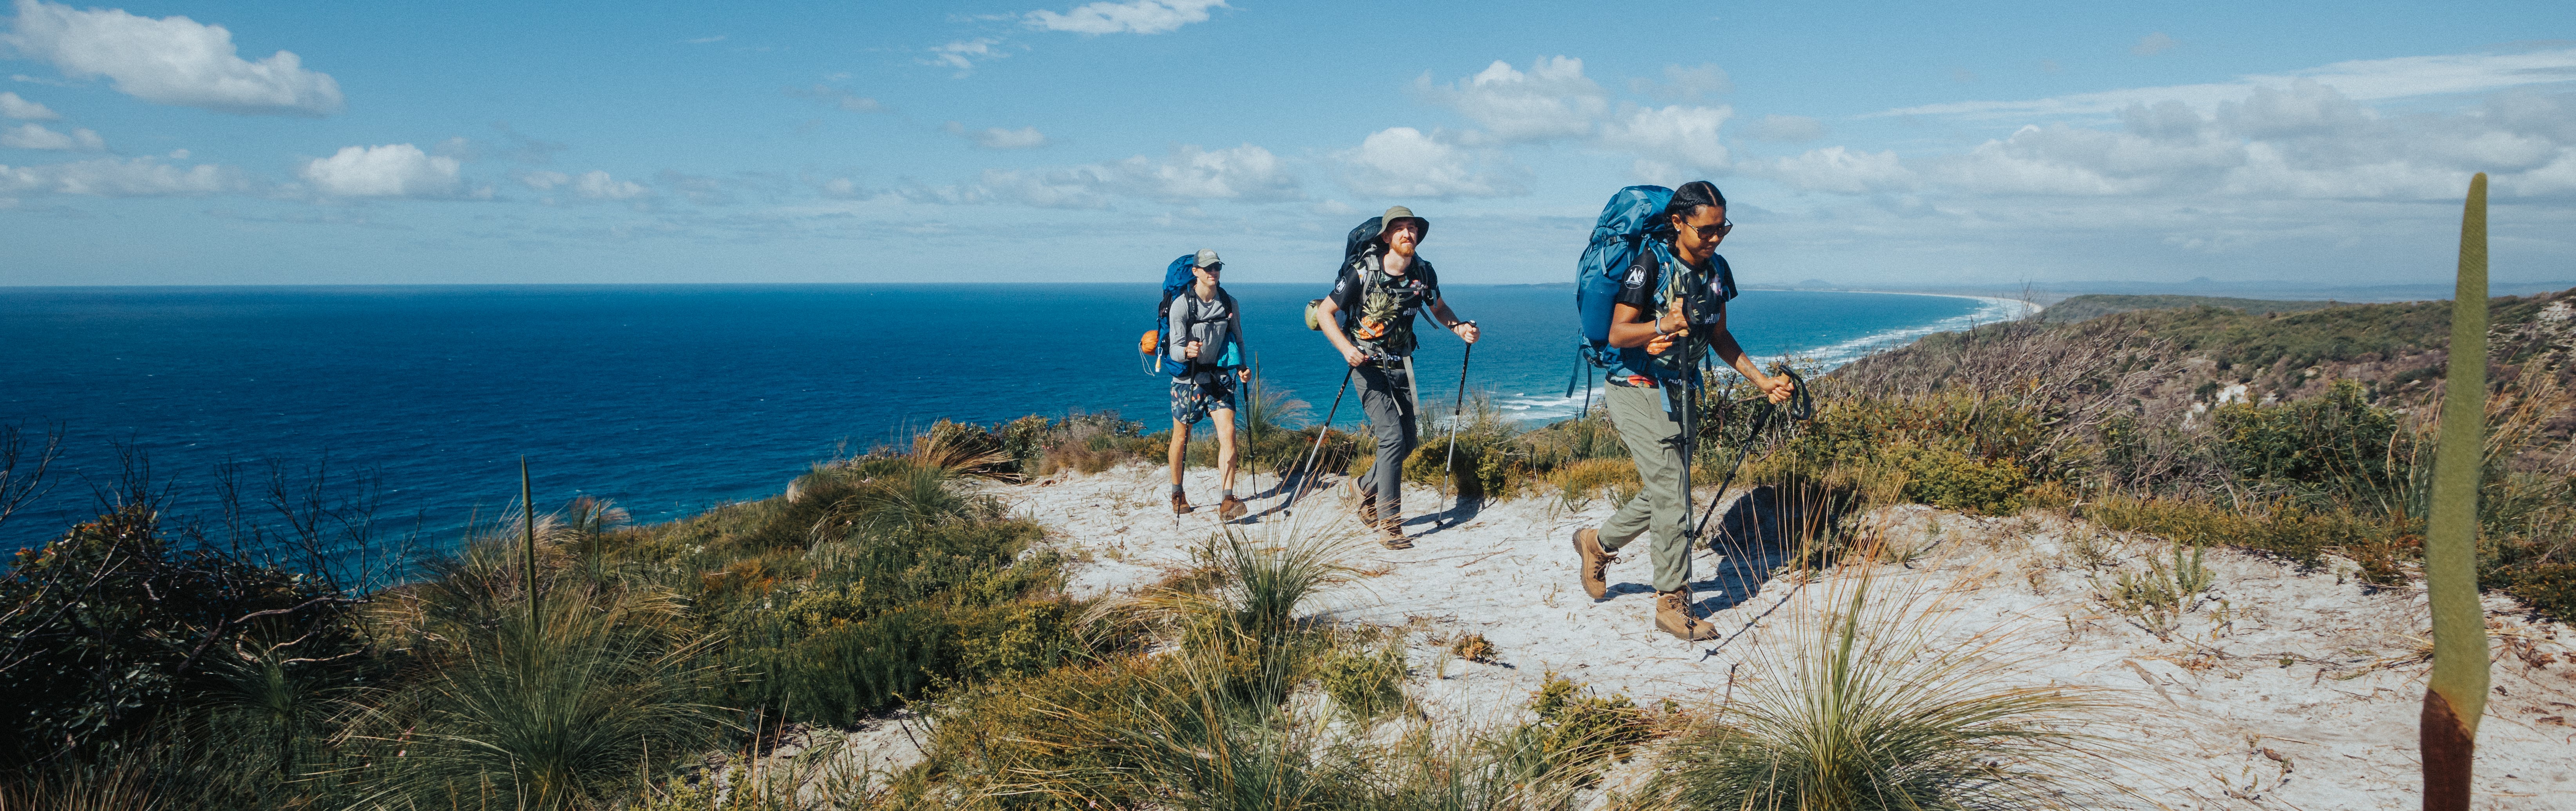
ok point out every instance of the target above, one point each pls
(1672, 305)
(1369, 320)
(1206, 341)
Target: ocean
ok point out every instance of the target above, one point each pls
(670, 399)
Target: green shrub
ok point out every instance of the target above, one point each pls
(1952, 480)
(1363, 684)
(2335, 443)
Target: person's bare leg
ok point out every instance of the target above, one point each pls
(1228, 507)
(1179, 455)
(1225, 449)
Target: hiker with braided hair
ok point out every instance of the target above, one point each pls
(1369, 319)
(1671, 304)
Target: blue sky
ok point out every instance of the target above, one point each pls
(1993, 143)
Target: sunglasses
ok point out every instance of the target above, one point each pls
(1215, 268)
(1711, 231)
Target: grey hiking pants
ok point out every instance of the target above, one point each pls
(1649, 432)
(1386, 395)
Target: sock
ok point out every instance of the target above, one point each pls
(1176, 489)
(1225, 494)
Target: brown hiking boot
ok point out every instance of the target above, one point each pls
(1180, 503)
(1393, 526)
(1593, 562)
(1368, 508)
(1229, 509)
(1673, 615)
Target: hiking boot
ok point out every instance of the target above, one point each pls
(1593, 562)
(1229, 509)
(1180, 504)
(1673, 615)
(1394, 538)
(1368, 508)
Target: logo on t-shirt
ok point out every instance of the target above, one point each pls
(1636, 279)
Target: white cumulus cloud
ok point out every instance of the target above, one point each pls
(32, 136)
(1137, 17)
(1836, 169)
(120, 177)
(595, 184)
(1246, 172)
(963, 54)
(1405, 162)
(169, 60)
(11, 106)
(1670, 142)
(997, 137)
(1553, 99)
(391, 170)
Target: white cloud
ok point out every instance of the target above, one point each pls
(997, 137)
(2153, 44)
(1404, 162)
(120, 177)
(598, 185)
(1246, 172)
(1670, 142)
(170, 60)
(964, 53)
(1553, 100)
(1836, 169)
(592, 185)
(1686, 84)
(1137, 17)
(11, 106)
(31, 136)
(2303, 141)
(391, 170)
(2361, 80)
(1786, 129)
(839, 98)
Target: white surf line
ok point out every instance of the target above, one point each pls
(1525, 407)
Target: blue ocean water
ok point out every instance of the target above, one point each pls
(669, 399)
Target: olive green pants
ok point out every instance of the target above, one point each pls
(1650, 432)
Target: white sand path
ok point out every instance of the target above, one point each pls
(2313, 667)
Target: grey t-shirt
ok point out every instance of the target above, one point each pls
(1207, 321)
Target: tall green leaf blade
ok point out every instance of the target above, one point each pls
(2456, 695)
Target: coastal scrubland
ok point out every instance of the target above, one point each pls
(275, 657)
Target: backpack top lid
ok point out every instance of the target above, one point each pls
(1632, 219)
(1360, 239)
(1178, 276)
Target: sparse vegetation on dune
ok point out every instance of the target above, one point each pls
(155, 662)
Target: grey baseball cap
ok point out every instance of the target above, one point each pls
(1207, 258)
(1402, 213)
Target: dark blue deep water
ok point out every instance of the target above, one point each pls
(669, 399)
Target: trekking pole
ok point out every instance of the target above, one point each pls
(1801, 408)
(1324, 431)
(1461, 410)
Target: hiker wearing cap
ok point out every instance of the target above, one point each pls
(1675, 311)
(1369, 319)
(1206, 340)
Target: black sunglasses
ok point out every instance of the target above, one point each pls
(1213, 268)
(1720, 229)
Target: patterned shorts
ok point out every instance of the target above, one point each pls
(1193, 396)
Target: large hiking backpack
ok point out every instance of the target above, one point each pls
(1157, 345)
(1360, 239)
(1632, 221)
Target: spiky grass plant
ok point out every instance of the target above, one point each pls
(1877, 703)
(549, 714)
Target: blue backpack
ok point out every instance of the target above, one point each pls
(1632, 221)
(1156, 345)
